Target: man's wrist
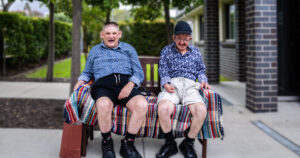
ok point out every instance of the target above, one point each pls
(166, 84)
(82, 81)
(132, 84)
(135, 80)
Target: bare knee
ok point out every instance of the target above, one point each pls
(138, 105)
(199, 110)
(165, 109)
(104, 105)
(141, 106)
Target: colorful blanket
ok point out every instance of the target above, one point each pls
(80, 108)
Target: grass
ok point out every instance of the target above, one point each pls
(222, 79)
(61, 69)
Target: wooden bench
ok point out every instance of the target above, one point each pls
(152, 86)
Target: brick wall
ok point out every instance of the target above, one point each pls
(261, 55)
(211, 40)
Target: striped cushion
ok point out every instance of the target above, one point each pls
(80, 108)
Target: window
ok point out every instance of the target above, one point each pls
(230, 21)
(201, 25)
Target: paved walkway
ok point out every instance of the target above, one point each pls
(243, 138)
(39, 90)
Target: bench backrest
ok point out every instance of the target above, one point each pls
(152, 82)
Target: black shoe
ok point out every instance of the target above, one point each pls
(167, 150)
(128, 150)
(108, 149)
(187, 148)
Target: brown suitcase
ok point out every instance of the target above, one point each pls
(71, 141)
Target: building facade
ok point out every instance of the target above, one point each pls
(251, 41)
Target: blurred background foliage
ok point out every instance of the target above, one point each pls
(26, 38)
(25, 34)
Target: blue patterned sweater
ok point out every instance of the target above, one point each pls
(173, 64)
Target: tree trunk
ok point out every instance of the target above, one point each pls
(51, 52)
(85, 42)
(75, 69)
(2, 55)
(167, 19)
(108, 15)
(7, 6)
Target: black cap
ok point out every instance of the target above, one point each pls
(182, 27)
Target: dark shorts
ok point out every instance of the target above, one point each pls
(110, 86)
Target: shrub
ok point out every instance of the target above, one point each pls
(26, 39)
(147, 38)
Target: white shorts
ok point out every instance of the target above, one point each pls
(186, 92)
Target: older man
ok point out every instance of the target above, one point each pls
(117, 72)
(179, 67)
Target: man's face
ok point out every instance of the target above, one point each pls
(182, 41)
(110, 36)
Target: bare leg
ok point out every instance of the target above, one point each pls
(165, 110)
(199, 112)
(104, 112)
(138, 107)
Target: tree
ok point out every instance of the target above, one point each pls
(6, 4)
(5, 7)
(64, 6)
(92, 21)
(169, 29)
(144, 13)
(105, 5)
(76, 16)
(157, 7)
(2, 55)
(180, 4)
(51, 46)
(51, 42)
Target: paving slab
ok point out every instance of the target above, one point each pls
(29, 143)
(38, 90)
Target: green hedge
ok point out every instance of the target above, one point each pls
(26, 38)
(147, 38)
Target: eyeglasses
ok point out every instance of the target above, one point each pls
(177, 39)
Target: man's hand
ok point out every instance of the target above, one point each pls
(126, 90)
(169, 88)
(78, 84)
(205, 85)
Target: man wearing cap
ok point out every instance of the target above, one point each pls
(180, 66)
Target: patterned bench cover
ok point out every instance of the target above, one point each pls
(80, 108)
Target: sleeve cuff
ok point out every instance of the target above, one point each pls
(84, 78)
(135, 80)
(202, 78)
(164, 80)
